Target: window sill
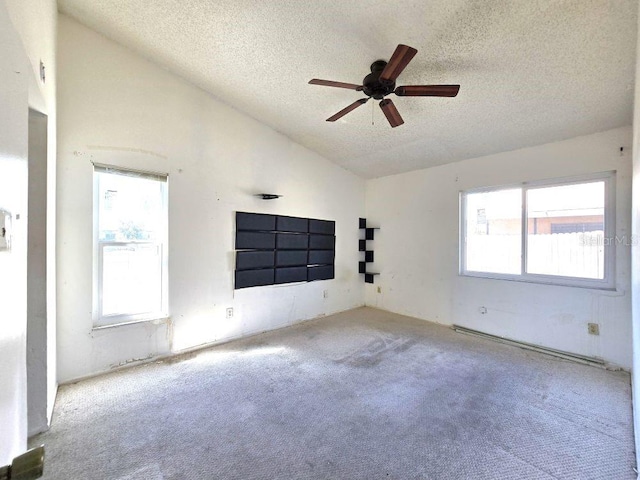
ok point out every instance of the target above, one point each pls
(152, 319)
(543, 280)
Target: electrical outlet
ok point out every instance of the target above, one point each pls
(594, 328)
(379, 289)
(230, 312)
(325, 294)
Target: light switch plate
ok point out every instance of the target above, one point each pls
(5, 231)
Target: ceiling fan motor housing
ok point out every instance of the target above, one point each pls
(372, 86)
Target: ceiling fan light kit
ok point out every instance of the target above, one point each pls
(382, 82)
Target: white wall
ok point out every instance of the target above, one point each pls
(116, 108)
(37, 275)
(36, 23)
(635, 259)
(14, 79)
(416, 251)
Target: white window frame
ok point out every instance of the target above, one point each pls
(107, 321)
(606, 283)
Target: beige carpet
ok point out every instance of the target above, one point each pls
(360, 395)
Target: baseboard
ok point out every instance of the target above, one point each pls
(575, 357)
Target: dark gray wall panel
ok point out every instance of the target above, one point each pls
(292, 224)
(291, 274)
(292, 241)
(325, 272)
(255, 241)
(326, 227)
(254, 278)
(321, 257)
(255, 221)
(286, 258)
(322, 242)
(254, 259)
(280, 249)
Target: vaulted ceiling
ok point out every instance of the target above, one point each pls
(531, 72)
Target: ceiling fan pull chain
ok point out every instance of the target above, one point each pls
(372, 110)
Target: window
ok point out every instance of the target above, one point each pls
(131, 245)
(558, 231)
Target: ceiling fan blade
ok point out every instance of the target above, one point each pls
(427, 91)
(346, 110)
(399, 60)
(391, 112)
(330, 83)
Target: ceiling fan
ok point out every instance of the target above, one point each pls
(382, 82)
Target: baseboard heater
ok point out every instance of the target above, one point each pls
(596, 362)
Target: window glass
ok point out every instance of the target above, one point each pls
(565, 230)
(494, 231)
(131, 279)
(131, 208)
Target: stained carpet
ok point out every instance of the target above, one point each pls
(364, 394)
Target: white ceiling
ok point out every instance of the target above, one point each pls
(531, 72)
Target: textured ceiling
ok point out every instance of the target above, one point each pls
(531, 72)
